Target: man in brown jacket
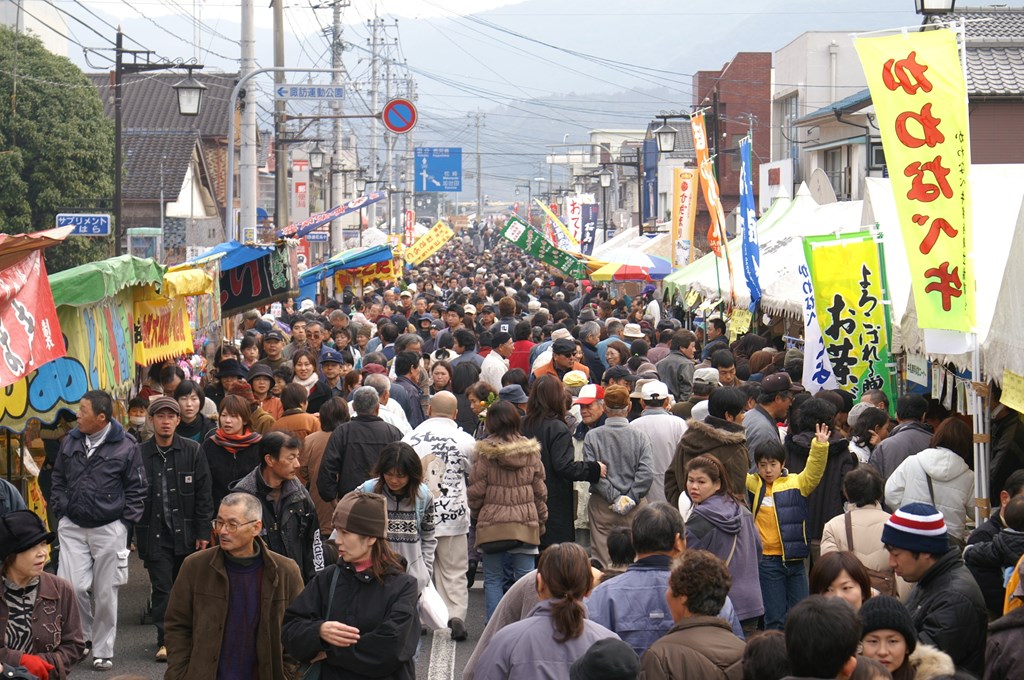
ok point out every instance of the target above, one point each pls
(227, 605)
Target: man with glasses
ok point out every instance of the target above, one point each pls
(290, 526)
(178, 509)
(226, 608)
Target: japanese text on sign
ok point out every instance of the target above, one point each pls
(920, 96)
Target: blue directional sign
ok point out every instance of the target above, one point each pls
(85, 225)
(438, 168)
(335, 92)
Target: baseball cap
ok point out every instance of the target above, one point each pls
(561, 334)
(589, 394)
(161, 403)
(575, 379)
(779, 382)
(655, 389)
(273, 335)
(405, 293)
(469, 309)
(331, 356)
(707, 375)
(564, 347)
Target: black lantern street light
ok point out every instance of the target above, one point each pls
(933, 7)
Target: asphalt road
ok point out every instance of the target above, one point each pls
(440, 658)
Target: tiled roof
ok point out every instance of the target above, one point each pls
(152, 157)
(150, 103)
(986, 24)
(995, 71)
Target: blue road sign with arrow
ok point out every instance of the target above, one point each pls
(335, 92)
(438, 169)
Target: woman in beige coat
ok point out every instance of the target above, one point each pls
(507, 499)
(863, 487)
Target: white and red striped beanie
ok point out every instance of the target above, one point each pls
(917, 527)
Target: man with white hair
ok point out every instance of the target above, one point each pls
(354, 447)
(390, 410)
(663, 429)
(446, 452)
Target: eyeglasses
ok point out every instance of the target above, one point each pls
(232, 526)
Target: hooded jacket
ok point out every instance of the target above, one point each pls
(696, 647)
(724, 440)
(107, 486)
(929, 662)
(904, 441)
(507, 494)
(384, 612)
(952, 482)
(826, 501)
(722, 526)
(290, 525)
(948, 611)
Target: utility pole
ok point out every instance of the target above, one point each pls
(479, 179)
(337, 177)
(389, 152)
(410, 152)
(371, 210)
(281, 193)
(247, 162)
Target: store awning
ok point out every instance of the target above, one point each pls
(187, 282)
(13, 247)
(234, 254)
(92, 282)
(349, 259)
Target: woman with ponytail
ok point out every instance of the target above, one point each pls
(544, 645)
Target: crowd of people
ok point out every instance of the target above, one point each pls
(639, 496)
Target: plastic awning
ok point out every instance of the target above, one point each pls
(187, 282)
(234, 254)
(348, 259)
(92, 282)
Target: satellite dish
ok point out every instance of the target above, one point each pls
(820, 187)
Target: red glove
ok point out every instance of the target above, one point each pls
(36, 665)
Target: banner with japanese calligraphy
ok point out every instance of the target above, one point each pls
(533, 243)
(267, 279)
(29, 329)
(920, 97)
(385, 271)
(817, 367)
(559, 232)
(712, 197)
(162, 330)
(588, 236)
(849, 300)
(429, 243)
(684, 213)
(100, 356)
(748, 226)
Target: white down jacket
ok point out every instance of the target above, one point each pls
(952, 481)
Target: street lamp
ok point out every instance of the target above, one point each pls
(316, 157)
(605, 177)
(666, 136)
(190, 95)
(933, 7)
(361, 183)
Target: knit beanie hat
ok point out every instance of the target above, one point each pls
(607, 659)
(362, 513)
(917, 527)
(884, 612)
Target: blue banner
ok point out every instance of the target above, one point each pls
(300, 229)
(650, 209)
(747, 222)
(588, 232)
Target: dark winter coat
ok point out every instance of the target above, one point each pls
(989, 578)
(198, 430)
(408, 395)
(593, 361)
(507, 494)
(904, 441)
(826, 501)
(714, 436)
(986, 561)
(107, 486)
(351, 453)
(290, 526)
(385, 612)
(560, 471)
(948, 611)
(227, 468)
(189, 498)
(1004, 653)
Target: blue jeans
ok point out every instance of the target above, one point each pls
(494, 576)
(783, 584)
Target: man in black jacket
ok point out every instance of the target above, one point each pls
(178, 509)
(99, 489)
(354, 447)
(946, 603)
(290, 524)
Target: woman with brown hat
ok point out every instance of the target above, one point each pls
(40, 627)
(359, 617)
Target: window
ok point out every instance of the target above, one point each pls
(838, 171)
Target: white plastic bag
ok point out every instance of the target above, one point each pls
(433, 612)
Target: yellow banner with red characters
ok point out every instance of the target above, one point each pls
(162, 330)
(429, 243)
(389, 270)
(920, 97)
(684, 212)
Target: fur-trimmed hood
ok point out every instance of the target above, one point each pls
(720, 432)
(930, 662)
(511, 454)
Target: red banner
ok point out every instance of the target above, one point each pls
(30, 334)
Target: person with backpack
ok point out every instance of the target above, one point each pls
(859, 530)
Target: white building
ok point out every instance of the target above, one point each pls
(38, 18)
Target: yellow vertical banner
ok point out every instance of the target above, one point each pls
(712, 197)
(684, 212)
(429, 243)
(920, 97)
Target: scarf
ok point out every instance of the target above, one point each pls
(309, 383)
(233, 443)
(20, 603)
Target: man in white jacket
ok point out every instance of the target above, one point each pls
(446, 452)
(662, 428)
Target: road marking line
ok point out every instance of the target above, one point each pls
(442, 656)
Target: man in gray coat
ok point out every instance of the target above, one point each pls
(676, 370)
(628, 454)
(761, 422)
(911, 436)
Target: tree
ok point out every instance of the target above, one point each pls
(56, 146)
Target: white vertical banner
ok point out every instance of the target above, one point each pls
(818, 373)
(299, 204)
(574, 215)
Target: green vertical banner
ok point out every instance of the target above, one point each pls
(851, 301)
(533, 243)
